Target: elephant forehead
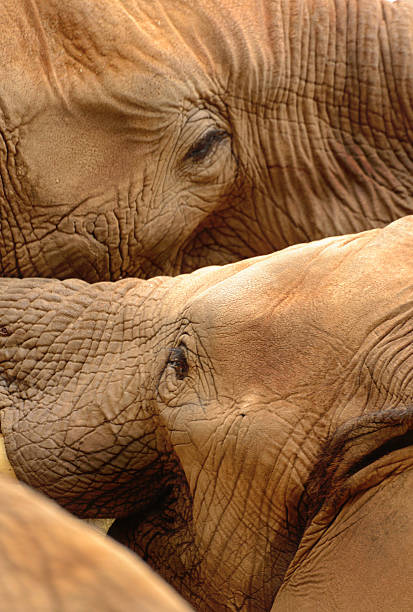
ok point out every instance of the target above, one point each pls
(144, 53)
(124, 43)
(254, 295)
(155, 33)
(331, 293)
(117, 57)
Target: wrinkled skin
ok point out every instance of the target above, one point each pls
(50, 561)
(356, 552)
(193, 408)
(142, 137)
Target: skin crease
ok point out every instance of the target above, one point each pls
(193, 408)
(356, 551)
(140, 138)
(50, 561)
(364, 561)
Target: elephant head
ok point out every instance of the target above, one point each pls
(356, 550)
(147, 137)
(193, 409)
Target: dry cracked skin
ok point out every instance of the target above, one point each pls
(193, 409)
(142, 137)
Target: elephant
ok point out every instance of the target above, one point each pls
(49, 561)
(146, 138)
(192, 409)
(356, 551)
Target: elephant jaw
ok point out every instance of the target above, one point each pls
(5, 466)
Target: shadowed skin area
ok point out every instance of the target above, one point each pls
(193, 409)
(50, 561)
(147, 137)
(356, 550)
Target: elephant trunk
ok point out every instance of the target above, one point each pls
(75, 366)
(6, 469)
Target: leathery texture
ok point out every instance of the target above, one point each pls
(192, 409)
(199, 134)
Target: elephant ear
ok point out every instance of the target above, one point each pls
(357, 521)
(354, 459)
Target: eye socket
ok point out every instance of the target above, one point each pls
(205, 145)
(177, 360)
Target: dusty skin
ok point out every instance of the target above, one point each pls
(193, 409)
(49, 561)
(147, 137)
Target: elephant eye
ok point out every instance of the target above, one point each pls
(201, 149)
(178, 361)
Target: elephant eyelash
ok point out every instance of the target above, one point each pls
(177, 360)
(201, 149)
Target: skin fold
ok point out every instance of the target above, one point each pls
(49, 561)
(142, 137)
(193, 409)
(356, 551)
